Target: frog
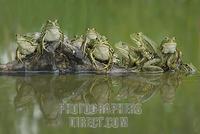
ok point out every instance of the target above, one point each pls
(51, 32)
(102, 53)
(89, 39)
(98, 49)
(126, 57)
(150, 56)
(171, 56)
(145, 43)
(27, 45)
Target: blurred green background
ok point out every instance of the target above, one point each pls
(116, 19)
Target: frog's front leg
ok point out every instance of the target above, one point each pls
(150, 66)
(84, 45)
(18, 56)
(41, 47)
(93, 61)
(173, 61)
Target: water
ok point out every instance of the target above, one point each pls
(165, 103)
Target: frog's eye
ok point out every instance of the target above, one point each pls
(18, 35)
(138, 34)
(166, 38)
(174, 38)
(48, 21)
(88, 29)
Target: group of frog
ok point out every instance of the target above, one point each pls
(37, 43)
(146, 56)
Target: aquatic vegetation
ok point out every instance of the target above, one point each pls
(51, 50)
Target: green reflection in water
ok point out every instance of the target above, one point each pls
(39, 100)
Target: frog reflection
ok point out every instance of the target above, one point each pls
(52, 93)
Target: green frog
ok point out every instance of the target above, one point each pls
(144, 43)
(171, 58)
(89, 39)
(150, 56)
(51, 32)
(126, 57)
(98, 49)
(27, 45)
(103, 53)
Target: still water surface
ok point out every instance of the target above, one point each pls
(164, 103)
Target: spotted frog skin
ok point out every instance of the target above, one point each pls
(27, 45)
(148, 51)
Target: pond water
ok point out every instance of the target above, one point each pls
(86, 103)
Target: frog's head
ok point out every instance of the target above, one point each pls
(18, 37)
(22, 40)
(168, 45)
(51, 31)
(137, 37)
(189, 68)
(52, 24)
(91, 33)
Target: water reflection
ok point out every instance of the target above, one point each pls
(50, 93)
